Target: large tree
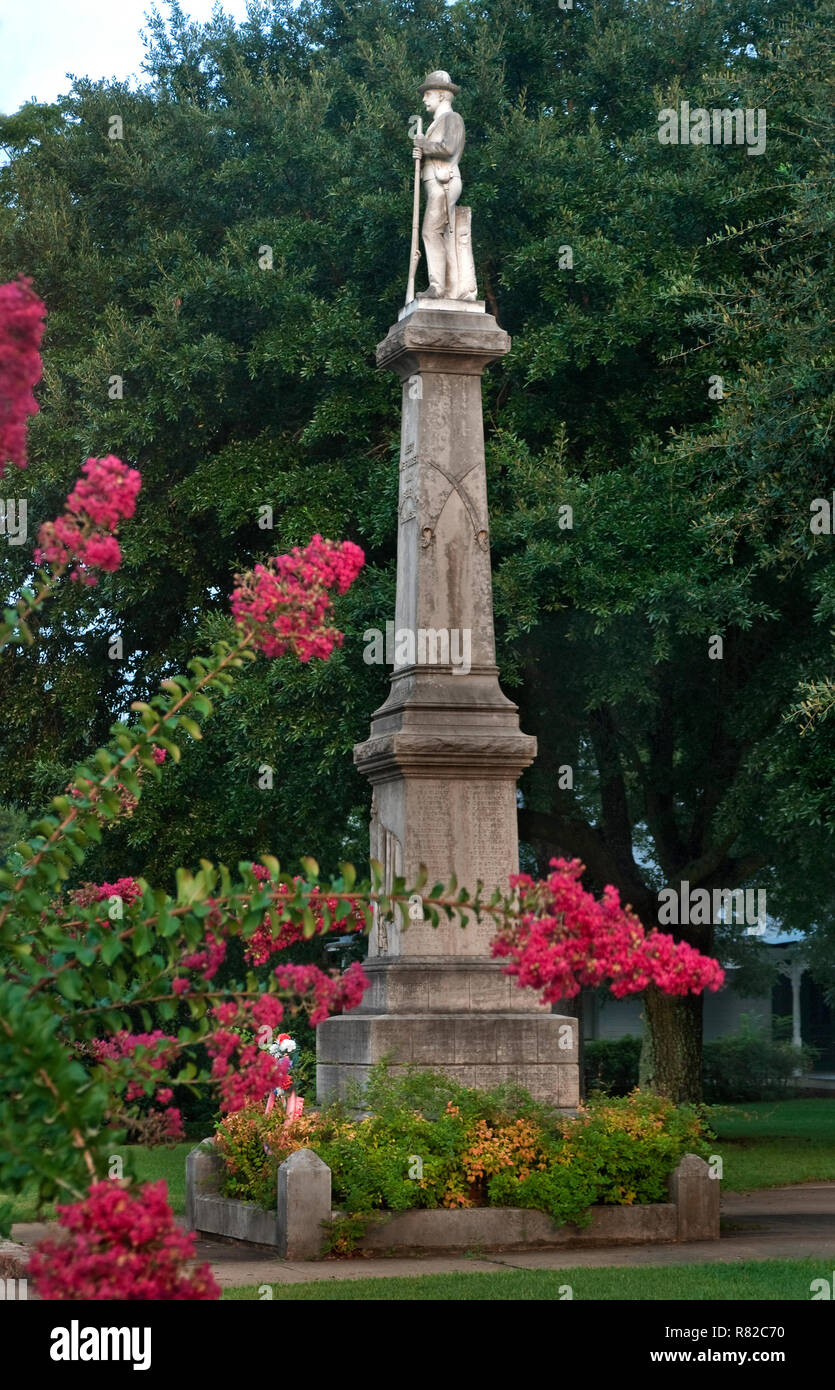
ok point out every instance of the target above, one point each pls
(248, 379)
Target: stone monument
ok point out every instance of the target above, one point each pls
(445, 749)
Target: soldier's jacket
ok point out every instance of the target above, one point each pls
(444, 147)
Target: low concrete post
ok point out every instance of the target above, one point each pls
(304, 1203)
(203, 1166)
(696, 1197)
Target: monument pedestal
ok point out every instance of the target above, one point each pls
(445, 750)
(476, 1042)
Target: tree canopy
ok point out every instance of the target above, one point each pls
(235, 257)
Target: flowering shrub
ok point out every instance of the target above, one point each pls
(22, 316)
(78, 980)
(276, 933)
(564, 939)
(85, 534)
(475, 1148)
(284, 603)
(621, 1150)
(253, 1143)
(128, 889)
(122, 1244)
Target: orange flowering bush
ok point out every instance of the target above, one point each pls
(517, 1145)
(252, 1144)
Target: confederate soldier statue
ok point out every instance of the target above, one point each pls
(446, 235)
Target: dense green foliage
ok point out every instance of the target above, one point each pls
(611, 1065)
(741, 1066)
(429, 1142)
(747, 1065)
(246, 386)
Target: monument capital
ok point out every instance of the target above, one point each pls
(442, 336)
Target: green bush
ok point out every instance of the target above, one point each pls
(432, 1143)
(611, 1065)
(748, 1066)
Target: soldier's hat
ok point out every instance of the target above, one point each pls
(438, 81)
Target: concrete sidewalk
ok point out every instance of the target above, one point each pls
(778, 1223)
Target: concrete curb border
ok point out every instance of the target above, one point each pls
(295, 1229)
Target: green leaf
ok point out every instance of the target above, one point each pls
(68, 983)
(111, 947)
(143, 939)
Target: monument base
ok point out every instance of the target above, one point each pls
(482, 1050)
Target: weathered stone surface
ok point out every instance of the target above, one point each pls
(445, 749)
(407, 987)
(474, 1049)
(696, 1195)
(474, 306)
(203, 1170)
(223, 1216)
(304, 1205)
(510, 1228)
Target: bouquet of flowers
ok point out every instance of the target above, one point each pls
(284, 1046)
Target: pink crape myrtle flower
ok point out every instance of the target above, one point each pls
(564, 940)
(120, 1242)
(139, 1062)
(271, 937)
(161, 1047)
(284, 604)
(127, 889)
(22, 316)
(104, 495)
(327, 994)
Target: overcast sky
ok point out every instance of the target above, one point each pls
(42, 40)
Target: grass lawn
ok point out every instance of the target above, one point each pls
(769, 1280)
(148, 1164)
(774, 1143)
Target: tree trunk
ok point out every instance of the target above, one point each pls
(671, 1057)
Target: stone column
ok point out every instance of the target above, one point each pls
(445, 750)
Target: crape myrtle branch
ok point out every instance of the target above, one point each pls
(242, 909)
(94, 787)
(42, 1034)
(16, 620)
(302, 577)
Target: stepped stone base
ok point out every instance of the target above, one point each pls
(536, 1051)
